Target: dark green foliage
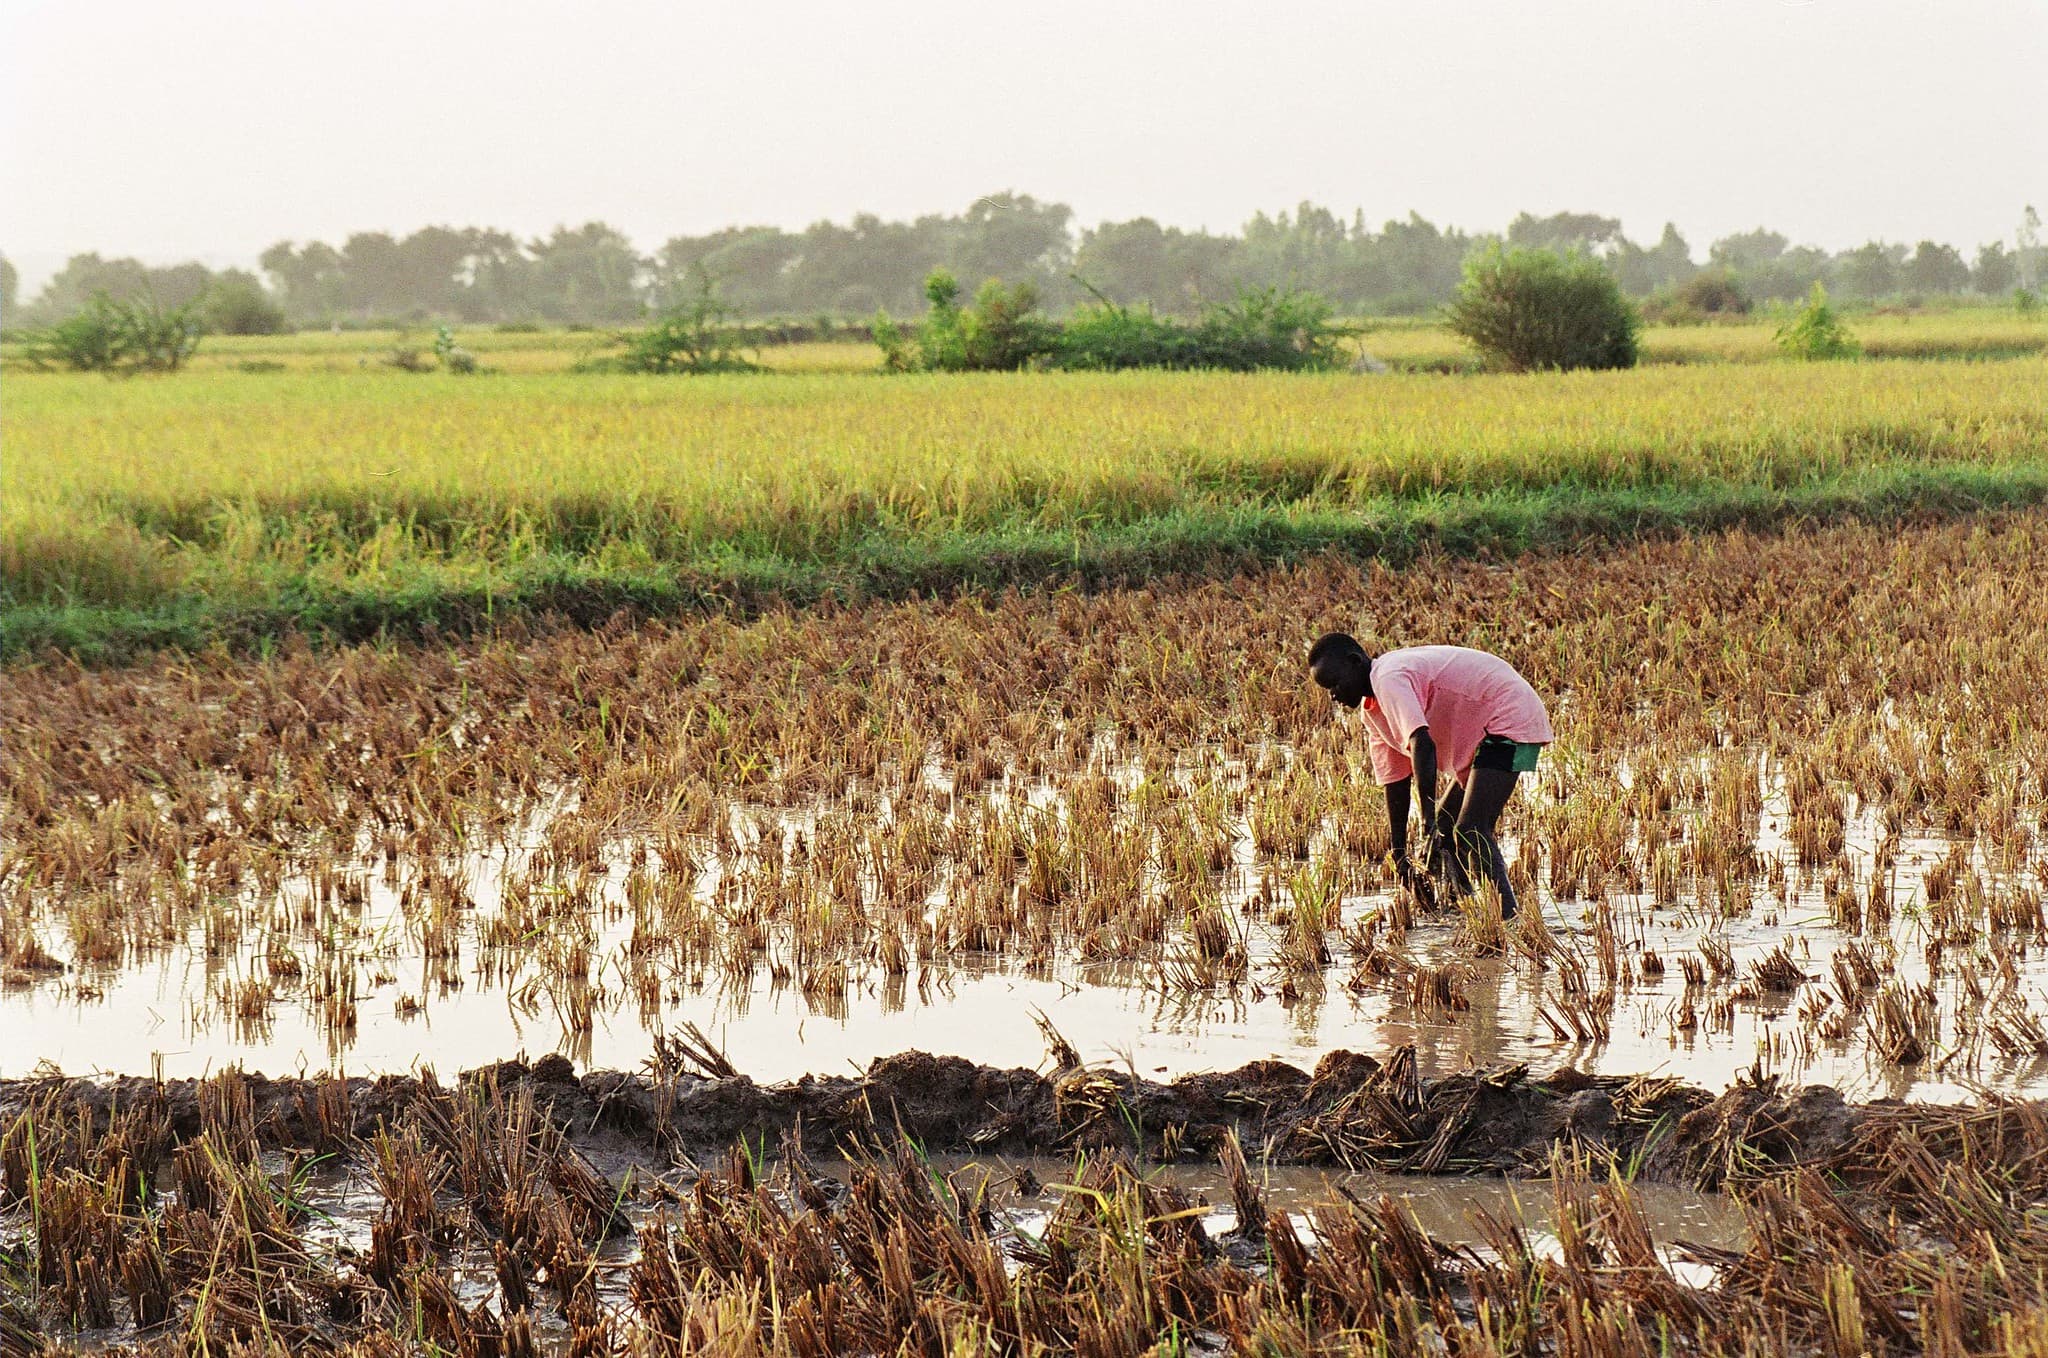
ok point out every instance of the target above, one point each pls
(136, 334)
(1531, 310)
(1714, 292)
(236, 304)
(1815, 332)
(1711, 293)
(694, 336)
(1002, 332)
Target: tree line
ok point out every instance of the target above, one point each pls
(594, 274)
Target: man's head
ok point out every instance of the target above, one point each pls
(1338, 663)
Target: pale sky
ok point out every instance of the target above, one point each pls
(211, 128)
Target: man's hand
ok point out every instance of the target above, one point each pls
(1437, 849)
(1415, 880)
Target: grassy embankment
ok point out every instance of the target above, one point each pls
(236, 507)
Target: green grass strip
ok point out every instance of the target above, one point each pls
(424, 601)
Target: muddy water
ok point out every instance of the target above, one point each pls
(166, 1013)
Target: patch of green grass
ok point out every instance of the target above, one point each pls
(426, 598)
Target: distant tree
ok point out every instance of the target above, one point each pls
(2027, 251)
(1416, 265)
(309, 281)
(1141, 261)
(1767, 265)
(866, 265)
(1012, 235)
(236, 304)
(10, 289)
(591, 273)
(1996, 274)
(1309, 250)
(751, 264)
(1663, 265)
(1747, 251)
(86, 276)
(1566, 232)
(1871, 270)
(1935, 267)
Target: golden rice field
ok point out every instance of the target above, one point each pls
(224, 504)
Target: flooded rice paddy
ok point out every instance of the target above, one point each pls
(1792, 825)
(1097, 844)
(352, 971)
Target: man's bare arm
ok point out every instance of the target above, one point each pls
(1422, 753)
(1397, 818)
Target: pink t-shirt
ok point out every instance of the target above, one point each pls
(1460, 694)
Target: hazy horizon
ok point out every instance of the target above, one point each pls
(215, 129)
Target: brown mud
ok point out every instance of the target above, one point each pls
(1353, 1111)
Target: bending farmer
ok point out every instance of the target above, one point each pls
(1432, 708)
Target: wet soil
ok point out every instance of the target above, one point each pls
(1353, 1111)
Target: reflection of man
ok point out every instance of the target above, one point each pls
(1431, 707)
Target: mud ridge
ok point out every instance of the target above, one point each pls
(1353, 1111)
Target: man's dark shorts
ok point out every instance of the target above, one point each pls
(1506, 756)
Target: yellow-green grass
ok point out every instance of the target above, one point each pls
(230, 503)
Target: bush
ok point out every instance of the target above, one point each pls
(694, 337)
(1815, 332)
(453, 356)
(136, 334)
(239, 306)
(1002, 332)
(1271, 328)
(1714, 292)
(1527, 310)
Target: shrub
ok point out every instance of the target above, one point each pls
(453, 356)
(1002, 331)
(693, 337)
(1271, 328)
(1815, 331)
(1714, 292)
(135, 334)
(1107, 337)
(239, 306)
(1527, 310)
(2026, 301)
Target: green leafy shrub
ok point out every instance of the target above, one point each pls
(119, 336)
(1002, 332)
(1529, 310)
(238, 305)
(1816, 332)
(693, 337)
(454, 358)
(1271, 328)
(1714, 292)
